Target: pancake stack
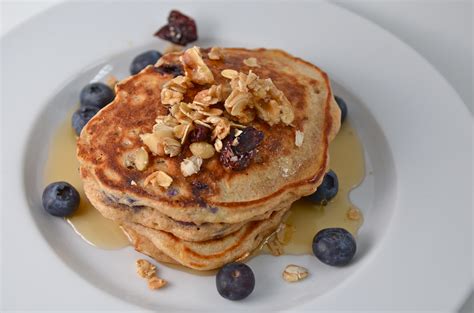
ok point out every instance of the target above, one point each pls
(200, 157)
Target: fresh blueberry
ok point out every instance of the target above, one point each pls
(343, 106)
(60, 199)
(327, 190)
(142, 60)
(235, 281)
(96, 95)
(334, 246)
(81, 117)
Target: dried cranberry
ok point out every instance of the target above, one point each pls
(238, 158)
(249, 139)
(172, 69)
(200, 133)
(181, 29)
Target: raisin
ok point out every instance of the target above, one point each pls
(249, 139)
(171, 69)
(200, 133)
(181, 29)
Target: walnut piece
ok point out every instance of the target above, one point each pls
(145, 269)
(191, 166)
(195, 67)
(294, 273)
(156, 283)
(202, 150)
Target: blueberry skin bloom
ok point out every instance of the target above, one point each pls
(96, 95)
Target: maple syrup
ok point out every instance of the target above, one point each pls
(306, 218)
(304, 221)
(87, 222)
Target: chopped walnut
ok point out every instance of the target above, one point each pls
(251, 62)
(156, 283)
(158, 178)
(145, 269)
(202, 150)
(191, 166)
(299, 137)
(195, 67)
(294, 273)
(215, 53)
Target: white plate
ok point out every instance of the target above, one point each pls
(414, 247)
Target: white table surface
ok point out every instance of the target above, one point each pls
(441, 31)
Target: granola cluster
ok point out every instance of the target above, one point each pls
(216, 116)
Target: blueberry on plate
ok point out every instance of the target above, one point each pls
(327, 190)
(142, 60)
(334, 246)
(96, 95)
(235, 281)
(81, 117)
(60, 199)
(343, 106)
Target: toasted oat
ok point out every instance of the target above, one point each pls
(111, 81)
(299, 137)
(353, 214)
(275, 247)
(145, 269)
(156, 283)
(171, 47)
(229, 73)
(202, 150)
(218, 145)
(158, 178)
(171, 146)
(221, 129)
(195, 68)
(251, 62)
(294, 273)
(191, 166)
(215, 53)
(173, 91)
(137, 159)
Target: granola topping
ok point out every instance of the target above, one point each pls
(158, 178)
(294, 273)
(215, 119)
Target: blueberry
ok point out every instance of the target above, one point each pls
(343, 106)
(235, 281)
(81, 117)
(327, 190)
(96, 95)
(142, 60)
(334, 246)
(60, 199)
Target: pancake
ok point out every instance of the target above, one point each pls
(279, 173)
(204, 255)
(153, 219)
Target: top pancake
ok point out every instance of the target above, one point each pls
(280, 171)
